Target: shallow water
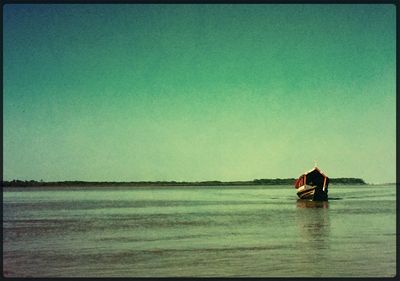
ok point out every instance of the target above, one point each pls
(198, 231)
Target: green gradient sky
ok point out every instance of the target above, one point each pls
(198, 92)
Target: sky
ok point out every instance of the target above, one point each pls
(129, 92)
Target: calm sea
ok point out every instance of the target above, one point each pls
(198, 231)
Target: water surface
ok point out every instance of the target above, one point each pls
(250, 231)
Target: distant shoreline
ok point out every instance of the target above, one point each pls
(277, 181)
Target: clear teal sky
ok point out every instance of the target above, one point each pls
(198, 92)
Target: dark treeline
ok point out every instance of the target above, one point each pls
(288, 181)
(346, 181)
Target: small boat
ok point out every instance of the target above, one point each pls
(312, 185)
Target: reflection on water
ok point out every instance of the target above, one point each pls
(314, 225)
(301, 203)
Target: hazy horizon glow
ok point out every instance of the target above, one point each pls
(198, 92)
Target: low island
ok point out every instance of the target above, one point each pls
(277, 181)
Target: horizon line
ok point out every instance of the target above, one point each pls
(181, 181)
